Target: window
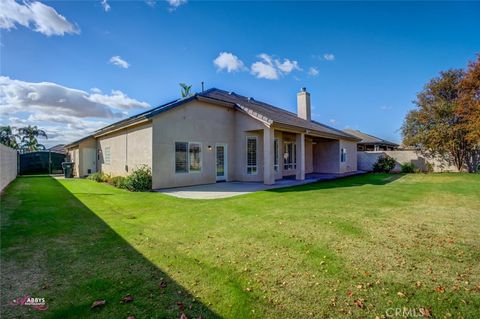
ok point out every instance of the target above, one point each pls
(195, 161)
(251, 155)
(106, 155)
(181, 159)
(188, 157)
(290, 156)
(343, 155)
(276, 153)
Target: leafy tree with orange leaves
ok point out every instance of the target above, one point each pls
(446, 122)
(434, 127)
(469, 108)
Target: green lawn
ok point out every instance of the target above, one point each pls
(348, 248)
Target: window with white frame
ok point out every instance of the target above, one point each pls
(289, 156)
(276, 154)
(343, 155)
(188, 157)
(106, 155)
(252, 155)
(181, 158)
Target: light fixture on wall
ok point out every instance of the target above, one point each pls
(209, 147)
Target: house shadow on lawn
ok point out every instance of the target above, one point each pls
(348, 181)
(55, 247)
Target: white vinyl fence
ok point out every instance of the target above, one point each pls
(8, 165)
(365, 161)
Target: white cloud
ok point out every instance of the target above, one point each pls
(105, 5)
(264, 69)
(65, 113)
(329, 56)
(34, 15)
(385, 108)
(312, 71)
(287, 66)
(228, 61)
(174, 4)
(333, 121)
(151, 3)
(118, 61)
(271, 69)
(52, 98)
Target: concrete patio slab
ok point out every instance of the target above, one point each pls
(230, 189)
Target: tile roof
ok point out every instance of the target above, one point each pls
(369, 139)
(272, 113)
(258, 109)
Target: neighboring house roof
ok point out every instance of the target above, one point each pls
(261, 111)
(369, 139)
(57, 148)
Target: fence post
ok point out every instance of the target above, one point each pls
(49, 162)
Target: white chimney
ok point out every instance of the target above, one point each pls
(303, 105)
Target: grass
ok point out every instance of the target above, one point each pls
(348, 248)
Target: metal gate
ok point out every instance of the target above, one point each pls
(41, 162)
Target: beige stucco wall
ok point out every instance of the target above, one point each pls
(327, 156)
(84, 157)
(308, 155)
(8, 165)
(367, 159)
(73, 155)
(247, 126)
(351, 164)
(87, 154)
(130, 148)
(195, 121)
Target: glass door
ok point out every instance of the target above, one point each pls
(221, 161)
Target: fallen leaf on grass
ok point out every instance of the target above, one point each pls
(360, 303)
(180, 305)
(426, 313)
(98, 303)
(440, 289)
(349, 293)
(126, 299)
(401, 294)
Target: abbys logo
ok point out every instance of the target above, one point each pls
(35, 303)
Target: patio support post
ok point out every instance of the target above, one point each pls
(300, 156)
(268, 156)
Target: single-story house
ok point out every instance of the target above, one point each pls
(216, 136)
(371, 143)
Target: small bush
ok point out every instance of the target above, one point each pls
(98, 177)
(118, 181)
(140, 180)
(408, 168)
(430, 167)
(384, 164)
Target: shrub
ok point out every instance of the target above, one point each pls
(118, 181)
(384, 164)
(140, 180)
(430, 167)
(408, 168)
(98, 177)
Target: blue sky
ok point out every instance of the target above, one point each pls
(73, 66)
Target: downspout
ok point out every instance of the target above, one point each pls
(126, 149)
